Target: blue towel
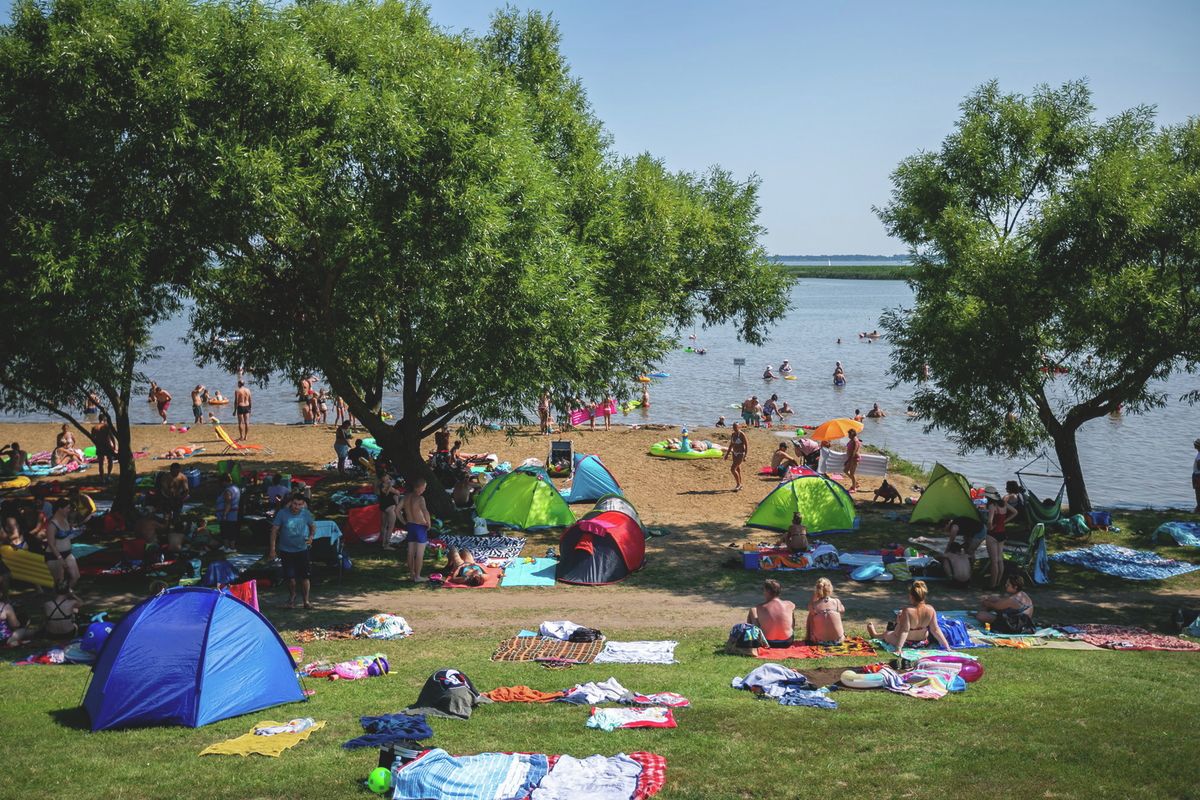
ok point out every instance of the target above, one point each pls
(539, 573)
(1186, 534)
(388, 728)
(804, 697)
(1134, 565)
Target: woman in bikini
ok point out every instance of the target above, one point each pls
(1012, 610)
(58, 535)
(12, 632)
(998, 514)
(60, 613)
(461, 568)
(824, 622)
(914, 625)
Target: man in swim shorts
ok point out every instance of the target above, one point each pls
(739, 448)
(198, 403)
(162, 399)
(416, 514)
(775, 616)
(241, 407)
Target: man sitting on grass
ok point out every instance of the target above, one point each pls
(775, 616)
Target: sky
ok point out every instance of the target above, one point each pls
(822, 100)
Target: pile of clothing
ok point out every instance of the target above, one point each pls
(785, 686)
(382, 626)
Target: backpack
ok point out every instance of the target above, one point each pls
(585, 635)
(746, 636)
(1012, 622)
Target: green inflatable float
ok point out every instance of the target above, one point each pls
(663, 450)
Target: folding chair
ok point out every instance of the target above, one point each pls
(327, 544)
(561, 461)
(239, 448)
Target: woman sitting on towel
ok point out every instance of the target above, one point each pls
(1010, 613)
(824, 623)
(461, 568)
(796, 536)
(914, 625)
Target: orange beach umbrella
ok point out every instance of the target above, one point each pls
(834, 429)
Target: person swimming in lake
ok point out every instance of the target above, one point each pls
(839, 374)
(858, 415)
(916, 625)
(785, 410)
(876, 412)
(461, 568)
(720, 421)
(823, 626)
(785, 368)
(910, 412)
(769, 374)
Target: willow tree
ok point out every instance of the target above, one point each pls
(441, 216)
(1057, 270)
(97, 202)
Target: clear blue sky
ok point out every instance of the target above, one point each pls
(822, 100)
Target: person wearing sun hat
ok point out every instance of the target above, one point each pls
(998, 514)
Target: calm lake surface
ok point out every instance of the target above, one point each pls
(700, 388)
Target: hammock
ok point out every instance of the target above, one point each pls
(1039, 511)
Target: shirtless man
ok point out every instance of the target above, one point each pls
(198, 395)
(782, 461)
(241, 407)
(775, 617)
(18, 459)
(162, 399)
(417, 526)
(739, 448)
(876, 412)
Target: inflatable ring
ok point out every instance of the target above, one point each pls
(18, 482)
(221, 402)
(789, 377)
(862, 680)
(969, 669)
(643, 379)
(660, 374)
(663, 450)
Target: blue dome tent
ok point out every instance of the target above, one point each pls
(591, 482)
(189, 656)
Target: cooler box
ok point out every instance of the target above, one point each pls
(193, 477)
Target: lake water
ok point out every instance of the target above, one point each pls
(703, 387)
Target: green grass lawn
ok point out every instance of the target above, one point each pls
(1039, 724)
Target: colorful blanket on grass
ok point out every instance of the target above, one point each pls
(1185, 534)
(482, 547)
(1134, 565)
(325, 634)
(650, 782)
(1120, 637)
(543, 648)
(851, 646)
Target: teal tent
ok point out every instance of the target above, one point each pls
(591, 482)
(525, 499)
(824, 504)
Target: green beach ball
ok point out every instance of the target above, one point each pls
(380, 780)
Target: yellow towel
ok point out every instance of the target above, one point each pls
(251, 743)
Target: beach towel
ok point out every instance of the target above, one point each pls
(610, 719)
(382, 626)
(637, 653)
(596, 777)
(541, 648)
(387, 729)
(1123, 562)
(812, 698)
(521, 694)
(669, 699)
(539, 572)
(1185, 534)
(437, 775)
(1120, 637)
(254, 743)
(485, 547)
(850, 646)
(491, 580)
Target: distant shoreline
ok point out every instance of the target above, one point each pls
(878, 272)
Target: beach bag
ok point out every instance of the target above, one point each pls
(1012, 622)
(585, 635)
(746, 636)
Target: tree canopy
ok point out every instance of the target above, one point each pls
(442, 216)
(1057, 270)
(98, 203)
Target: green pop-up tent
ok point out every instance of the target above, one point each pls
(525, 499)
(824, 504)
(948, 496)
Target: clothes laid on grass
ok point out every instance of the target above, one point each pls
(771, 680)
(558, 629)
(255, 743)
(850, 646)
(448, 693)
(1120, 637)
(483, 547)
(539, 648)
(610, 719)
(437, 775)
(1123, 562)
(669, 699)
(387, 729)
(592, 692)
(595, 777)
(662, 652)
(382, 626)
(813, 698)
(535, 572)
(354, 669)
(521, 694)
(325, 634)
(1185, 534)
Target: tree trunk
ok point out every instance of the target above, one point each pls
(402, 445)
(1072, 470)
(127, 480)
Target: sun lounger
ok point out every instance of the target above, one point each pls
(238, 447)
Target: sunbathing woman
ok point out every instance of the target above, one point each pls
(914, 625)
(824, 623)
(461, 568)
